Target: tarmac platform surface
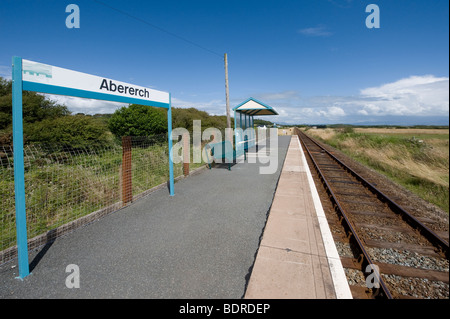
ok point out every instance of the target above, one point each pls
(224, 235)
(199, 243)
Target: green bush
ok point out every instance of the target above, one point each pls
(184, 117)
(138, 120)
(35, 107)
(70, 132)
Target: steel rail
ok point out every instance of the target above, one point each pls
(364, 258)
(435, 239)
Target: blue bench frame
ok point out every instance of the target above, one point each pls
(222, 150)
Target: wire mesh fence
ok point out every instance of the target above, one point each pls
(68, 187)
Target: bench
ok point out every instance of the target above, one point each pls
(248, 143)
(221, 150)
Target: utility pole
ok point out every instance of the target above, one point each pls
(227, 92)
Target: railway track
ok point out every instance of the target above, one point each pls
(386, 251)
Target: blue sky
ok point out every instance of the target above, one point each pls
(314, 61)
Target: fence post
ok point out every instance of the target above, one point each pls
(186, 154)
(127, 192)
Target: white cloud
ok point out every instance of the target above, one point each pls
(282, 113)
(417, 96)
(335, 111)
(320, 113)
(414, 99)
(181, 103)
(5, 72)
(318, 31)
(213, 107)
(91, 106)
(278, 95)
(87, 106)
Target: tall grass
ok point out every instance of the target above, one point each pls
(62, 186)
(419, 164)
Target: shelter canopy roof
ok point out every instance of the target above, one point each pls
(254, 107)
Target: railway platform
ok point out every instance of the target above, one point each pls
(297, 257)
(183, 246)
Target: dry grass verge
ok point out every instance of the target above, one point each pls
(417, 159)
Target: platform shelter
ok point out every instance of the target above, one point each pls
(244, 115)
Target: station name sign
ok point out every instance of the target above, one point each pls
(119, 88)
(46, 78)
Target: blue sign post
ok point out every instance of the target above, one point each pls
(169, 129)
(38, 77)
(19, 173)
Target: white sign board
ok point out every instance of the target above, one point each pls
(51, 79)
(38, 77)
